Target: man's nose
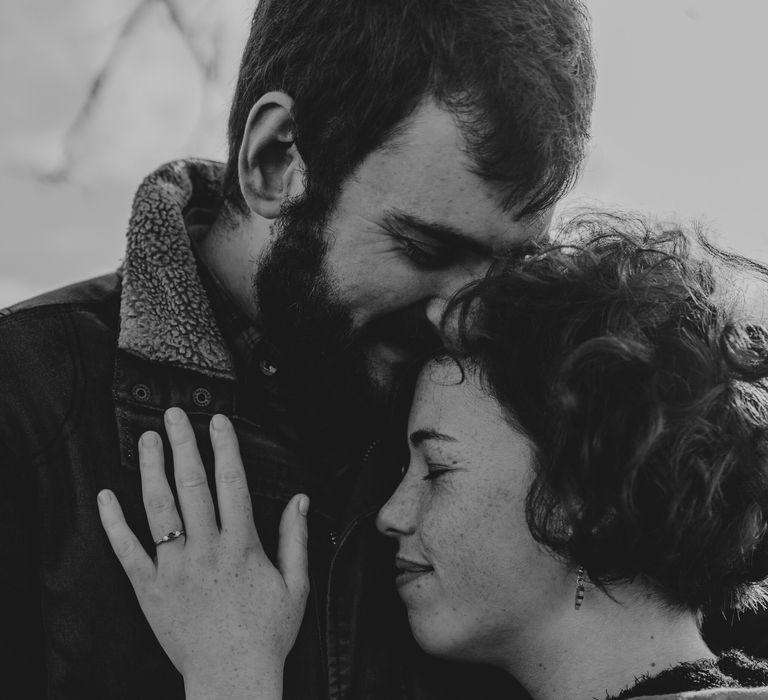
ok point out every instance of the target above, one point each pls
(435, 308)
(436, 305)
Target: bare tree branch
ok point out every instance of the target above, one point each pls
(206, 57)
(206, 60)
(80, 122)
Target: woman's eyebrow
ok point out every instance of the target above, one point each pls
(417, 437)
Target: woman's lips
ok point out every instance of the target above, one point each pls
(404, 577)
(409, 570)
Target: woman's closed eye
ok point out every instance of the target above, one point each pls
(435, 471)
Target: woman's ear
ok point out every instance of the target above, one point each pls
(270, 167)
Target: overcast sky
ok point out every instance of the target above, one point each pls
(679, 127)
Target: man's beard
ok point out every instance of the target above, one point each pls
(325, 359)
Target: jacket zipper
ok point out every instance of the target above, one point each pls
(337, 541)
(333, 534)
(328, 612)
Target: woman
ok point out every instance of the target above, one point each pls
(588, 474)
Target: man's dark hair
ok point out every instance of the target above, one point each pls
(647, 400)
(517, 75)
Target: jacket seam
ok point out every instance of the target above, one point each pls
(50, 310)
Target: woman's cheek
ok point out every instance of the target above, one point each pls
(448, 534)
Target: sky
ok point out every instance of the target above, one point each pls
(679, 128)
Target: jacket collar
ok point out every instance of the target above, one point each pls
(165, 315)
(711, 694)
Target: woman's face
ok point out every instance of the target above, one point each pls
(468, 570)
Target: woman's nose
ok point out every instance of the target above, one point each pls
(396, 517)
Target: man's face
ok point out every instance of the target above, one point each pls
(364, 288)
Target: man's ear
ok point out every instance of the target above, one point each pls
(269, 165)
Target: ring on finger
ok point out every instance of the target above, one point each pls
(172, 535)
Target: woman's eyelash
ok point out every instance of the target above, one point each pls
(434, 473)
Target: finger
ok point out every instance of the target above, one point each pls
(159, 503)
(191, 482)
(135, 561)
(292, 547)
(235, 510)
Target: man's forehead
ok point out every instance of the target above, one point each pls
(425, 173)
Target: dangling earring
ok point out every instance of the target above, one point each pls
(579, 588)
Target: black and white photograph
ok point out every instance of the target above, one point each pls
(384, 350)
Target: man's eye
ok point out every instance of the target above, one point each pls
(424, 256)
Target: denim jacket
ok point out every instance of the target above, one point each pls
(83, 372)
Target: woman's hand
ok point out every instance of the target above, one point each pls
(225, 616)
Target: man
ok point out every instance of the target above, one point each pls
(382, 154)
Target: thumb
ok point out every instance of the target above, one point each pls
(292, 546)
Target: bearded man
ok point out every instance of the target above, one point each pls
(382, 154)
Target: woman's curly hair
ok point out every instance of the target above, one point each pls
(646, 398)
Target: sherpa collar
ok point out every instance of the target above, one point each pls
(733, 674)
(165, 315)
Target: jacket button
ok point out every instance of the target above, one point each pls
(202, 397)
(140, 392)
(267, 368)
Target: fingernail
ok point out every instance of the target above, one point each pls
(218, 422)
(149, 439)
(174, 415)
(104, 497)
(304, 505)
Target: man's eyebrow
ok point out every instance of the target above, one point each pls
(445, 233)
(417, 437)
